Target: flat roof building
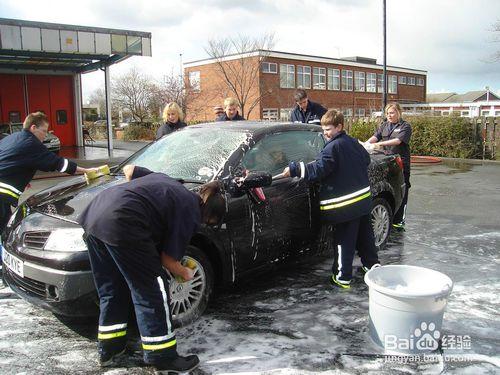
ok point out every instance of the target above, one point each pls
(352, 84)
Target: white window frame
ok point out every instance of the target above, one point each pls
(347, 112)
(270, 114)
(420, 82)
(288, 71)
(359, 81)
(347, 80)
(392, 84)
(485, 112)
(285, 114)
(380, 82)
(333, 74)
(303, 72)
(465, 113)
(194, 80)
(319, 78)
(360, 112)
(402, 80)
(268, 69)
(371, 82)
(411, 81)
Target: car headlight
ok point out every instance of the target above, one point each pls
(66, 240)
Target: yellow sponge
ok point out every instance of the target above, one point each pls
(100, 171)
(189, 263)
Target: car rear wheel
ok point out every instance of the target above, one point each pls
(190, 298)
(381, 221)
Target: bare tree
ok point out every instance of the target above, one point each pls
(98, 98)
(241, 76)
(169, 89)
(135, 92)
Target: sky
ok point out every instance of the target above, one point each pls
(452, 40)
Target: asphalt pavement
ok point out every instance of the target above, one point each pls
(293, 322)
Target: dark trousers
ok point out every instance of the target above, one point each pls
(121, 273)
(400, 216)
(5, 211)
(349, 236)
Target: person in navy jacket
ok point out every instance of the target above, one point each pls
(230, 111)
(306, 111)
(173, 117)
(345, 196)
(21, 155)
(131, 230)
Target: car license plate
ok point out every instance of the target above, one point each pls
(13, 263)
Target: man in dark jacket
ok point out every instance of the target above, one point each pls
(230, 111)
(131, 230)
(21, 155)
(345, 196)
(306, 111)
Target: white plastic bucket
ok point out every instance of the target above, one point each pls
(406, 306)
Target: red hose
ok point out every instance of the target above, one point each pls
(425, 159)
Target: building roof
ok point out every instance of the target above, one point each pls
(29, 45)
(468, 97)
(356, 61)
(440, 97)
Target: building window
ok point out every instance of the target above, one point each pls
(304, 76)
(359, 81)
(347, 112)
(61, 117)
(347, 80)
(380, 82)
(445, 113)
(333, 79)
(270, 114)
(411, 81)
(287, 76)
(464, 113)
(402, 80)
(360, 112)
(285, 114)
(420, 81)
(371, 82)
(392, 84)
(485, 112)
(268, 67)
(194, 80)
(319, 78)
(14, 116)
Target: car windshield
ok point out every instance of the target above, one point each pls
(193, 154)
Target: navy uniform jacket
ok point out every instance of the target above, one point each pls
(312, 115)
(168, 128)
(400, 130)
(224, 117)
(152, 210)
(342, 170)
(21, 155)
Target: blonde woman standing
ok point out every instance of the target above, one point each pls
(173, 117)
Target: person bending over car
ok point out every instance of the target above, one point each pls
(345, 196)
(131, 230)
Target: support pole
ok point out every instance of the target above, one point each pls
(384, 75)
(107, 90)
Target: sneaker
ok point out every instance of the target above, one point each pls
(344, 284)
(177, 365)
(366, 269)
(399, 227)
(109, 358)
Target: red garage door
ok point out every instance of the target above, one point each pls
(12, 107)
(54, 96)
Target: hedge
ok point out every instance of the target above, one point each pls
(433, 136)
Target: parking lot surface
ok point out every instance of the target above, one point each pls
(294, 322)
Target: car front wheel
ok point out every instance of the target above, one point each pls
(190, 298)
(381, 221)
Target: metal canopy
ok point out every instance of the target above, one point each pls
(28, 45)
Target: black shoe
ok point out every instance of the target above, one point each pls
(177, 365)
(110, 358)
(399, 227)
(366, 269)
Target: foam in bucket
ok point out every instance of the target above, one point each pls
(406, 306)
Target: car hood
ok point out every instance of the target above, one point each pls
(68, 199)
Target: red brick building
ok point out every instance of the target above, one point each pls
(353, 84)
